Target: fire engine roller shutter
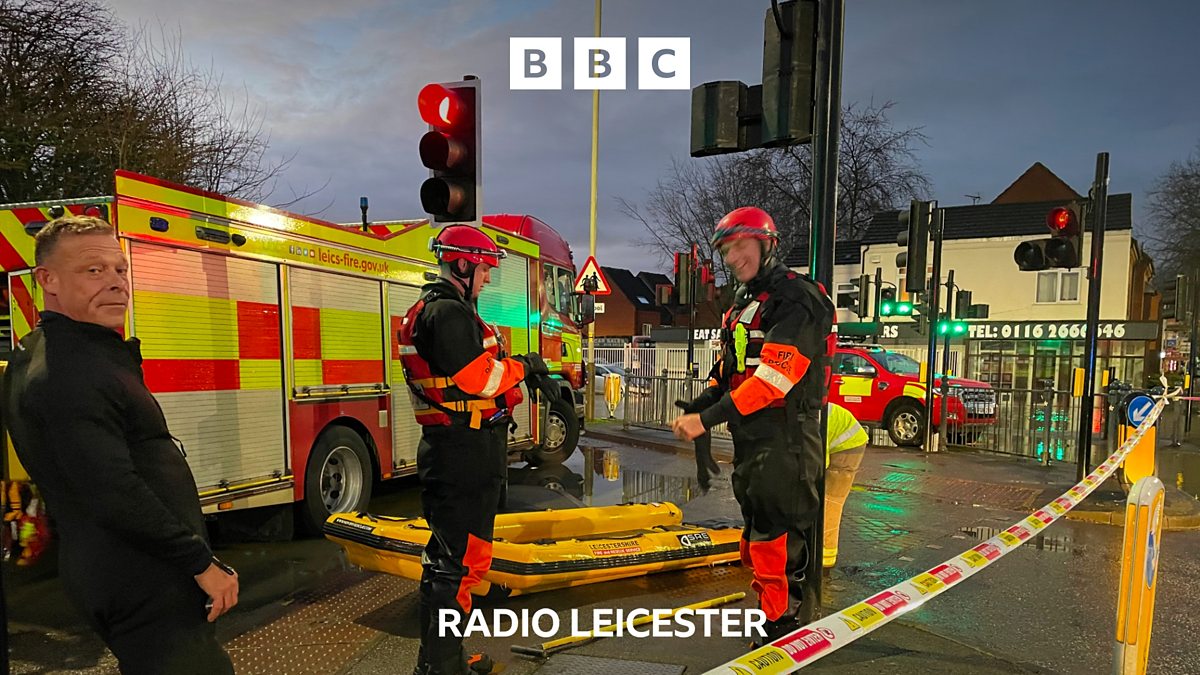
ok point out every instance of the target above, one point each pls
(210, 333)
(505, 303)
(337, 322)
(406, 433)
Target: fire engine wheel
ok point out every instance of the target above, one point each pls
(338, 477)
(560, 437)
(906, 425)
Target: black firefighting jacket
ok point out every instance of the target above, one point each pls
(796, 320)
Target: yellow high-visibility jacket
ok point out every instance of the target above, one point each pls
(843, 432)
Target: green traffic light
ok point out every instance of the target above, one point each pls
(886, 308)
(951, 328)
(960, 328)
(904, 308)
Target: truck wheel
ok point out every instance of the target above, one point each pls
(338, 477)
(906, 424)
(560, 436)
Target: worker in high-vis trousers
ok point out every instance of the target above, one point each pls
(845, 443)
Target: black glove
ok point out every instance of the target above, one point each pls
(706, 399)
(535, 367)
(537, 377)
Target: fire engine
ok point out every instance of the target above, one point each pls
(270, 339)
(884, 388)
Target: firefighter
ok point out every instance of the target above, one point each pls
(770, 387)
(846, 441)
(463, 391)
(133, 554)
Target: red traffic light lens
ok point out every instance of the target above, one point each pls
(439, 106)
(1059, 219)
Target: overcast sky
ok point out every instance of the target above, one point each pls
(994, 85)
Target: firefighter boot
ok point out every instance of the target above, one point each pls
(705, 465)
(461, 664)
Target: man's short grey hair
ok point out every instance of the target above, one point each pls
(48, 237)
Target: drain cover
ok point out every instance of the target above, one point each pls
(574, 664)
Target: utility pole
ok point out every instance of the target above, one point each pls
(1194, 284)
(827, 119)
(1099, 213)
(932, 294)
(589, 373)
(875, 317)
(945, 388)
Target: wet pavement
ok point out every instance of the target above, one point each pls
(1048, 606)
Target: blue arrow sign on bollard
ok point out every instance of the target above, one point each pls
(1138, 408)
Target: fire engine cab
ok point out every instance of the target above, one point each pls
(884, 389)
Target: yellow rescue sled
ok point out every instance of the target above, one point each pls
(544, 550)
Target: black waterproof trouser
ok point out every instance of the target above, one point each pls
(151, 615)
(774, 480)
(461, 472)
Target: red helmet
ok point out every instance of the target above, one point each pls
(747, 222)
(463, 242)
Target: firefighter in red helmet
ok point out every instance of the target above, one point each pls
(463, 390)
(769, 385)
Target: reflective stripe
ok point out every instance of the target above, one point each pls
(494, 381)
(774, 378)
(846, 435)
(758, 334)
(747, 314)
(408, 349)
(489, 341)
(751, 361)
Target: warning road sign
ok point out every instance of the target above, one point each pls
(594, 278)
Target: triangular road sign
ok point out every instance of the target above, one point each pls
(592, 269)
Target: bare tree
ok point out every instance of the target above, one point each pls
(1174, 203)
(877, 171)
(81, 95)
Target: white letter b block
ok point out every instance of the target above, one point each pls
(599, 63)
(535, 63)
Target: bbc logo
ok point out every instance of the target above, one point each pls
(599, 63)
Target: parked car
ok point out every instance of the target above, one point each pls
(884, 389)
(605, 369)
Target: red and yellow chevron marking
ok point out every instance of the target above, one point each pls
(16, 245)
(23, 303)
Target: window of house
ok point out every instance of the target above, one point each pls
(643, 300)
(1056, 286)
(646, 329)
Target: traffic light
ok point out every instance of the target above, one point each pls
(684, 274)
(726, 117)
(945, 327)
(887, 301)
(450, 150)
(789, 59)
(962, 305)
(914, 238)
(857, 301)
(904, 309)
(1064, 248)
(1175, 296)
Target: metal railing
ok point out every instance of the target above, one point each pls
(1040, 424)
(650, 401)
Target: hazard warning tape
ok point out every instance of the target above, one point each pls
(821, 638)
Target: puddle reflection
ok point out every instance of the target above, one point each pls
(1058, 544)
(593, 477)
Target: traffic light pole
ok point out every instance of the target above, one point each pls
(934, 290)
(823, 233)
(1194, 284)
(1099, 215)
(945, 388)
(878, 301)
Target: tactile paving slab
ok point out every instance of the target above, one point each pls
(575, 664)
(321, 634)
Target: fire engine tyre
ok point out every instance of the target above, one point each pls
(906, 424)
(561, 435)
(339, 476)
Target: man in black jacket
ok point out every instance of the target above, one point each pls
(133, 552)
